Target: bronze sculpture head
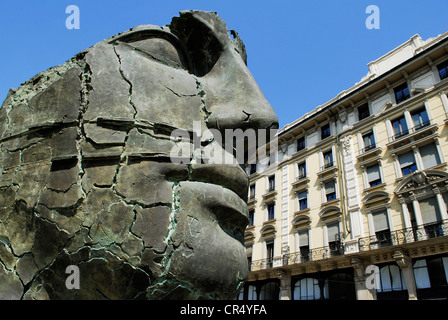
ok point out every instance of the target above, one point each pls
(88, 178)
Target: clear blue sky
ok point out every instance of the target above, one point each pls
(302, 53)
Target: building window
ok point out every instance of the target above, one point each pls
(382, 230)
(307, 289)
(253, 168)
(251, 293)
(270, 291)
(407, 163)
(271, 186)
(373, 175)
(437, 270)
(330, 190)
(251, 217)
(334, 239)
(363, 111)
(325, 131)
(302, 170)
(391, 279)
(303, 200)
(420, 118)
(431, 217)
(271, 211)
(400, 127)
(270, 253)
(271, 158)
(252, 191)
(443, 70)
(249, 250)
(304, 246)
(301, 144)
(369, 141)
(430, 155)
(328, 159)
(402, 93)
(421, 274)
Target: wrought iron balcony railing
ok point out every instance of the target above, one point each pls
(381, 240)
(327, 165)
(368, 148)
(419, 127)
(403, 236)
(301, 176)
(297, 257)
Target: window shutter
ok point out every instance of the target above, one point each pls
(303, 239)
(302, 195)
(373, 173)
(430, 156)
(406, 159)
(380, 221)
(333, 232)
(430, 210)
(330, 187)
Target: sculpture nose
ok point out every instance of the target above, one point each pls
(234, 99)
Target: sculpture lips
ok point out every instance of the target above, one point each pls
(228, 176)
(229, 210)
(225, 191)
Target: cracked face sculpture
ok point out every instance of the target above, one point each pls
(92, 205)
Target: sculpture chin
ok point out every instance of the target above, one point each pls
(208, 258)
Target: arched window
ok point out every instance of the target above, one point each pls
(251, 293)
(307, 289)
(391, 278)
(270, 291)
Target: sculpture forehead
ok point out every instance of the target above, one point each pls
(186, 20)
(123, 89)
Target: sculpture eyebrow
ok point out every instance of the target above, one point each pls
(144, 34)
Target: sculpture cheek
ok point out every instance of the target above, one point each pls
(159, 93)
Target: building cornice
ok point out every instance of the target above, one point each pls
(430, 46)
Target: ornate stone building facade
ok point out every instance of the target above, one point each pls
(353, 205)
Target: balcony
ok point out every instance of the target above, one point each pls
(298, 257)
(327, 166)
(417, 132)
(328, 171)
(340, 249)
(368, 148)
(300, 182)
(265, 264)
(251, 201)
(404, 236)
(270, 194)
(400, 135)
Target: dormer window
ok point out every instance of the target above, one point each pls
(363, 112)
(300, 143)
(443, 70)
(325, 131)
(402, 93)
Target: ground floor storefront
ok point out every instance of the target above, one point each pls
(413, 273)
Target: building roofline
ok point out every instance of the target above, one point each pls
(370, 79)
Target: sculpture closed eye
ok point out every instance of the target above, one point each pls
(160, 50)
(156, 44)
